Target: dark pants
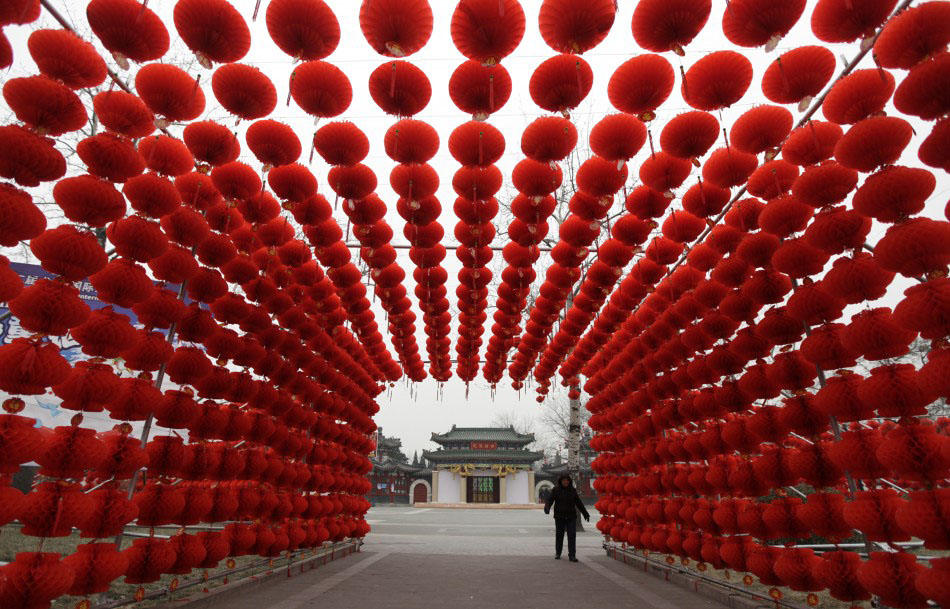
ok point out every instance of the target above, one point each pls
(560, 526)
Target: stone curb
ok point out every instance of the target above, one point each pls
(720, 594)
(221, 596)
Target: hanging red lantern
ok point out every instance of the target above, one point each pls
(690, 134)
(761, 129)
(857, 96)
(28, 158)
(21, 220)
(838, 571)
(211, 143)
(105, 333)
(727, 167)
(47, 106)
(717, 81)
(478, 89)
(934, 151)
(148, 353)
(640, 85)
(31, 366)
(932, 582)
(110, 157)
(88, 387)
(34, 579)
(20, 12)
(669, 26)
(127, 29)
(825, 184)
(95, 566)
(873, 142)
(170, 92)
(65, 57)
(273, 143)
(891, 576)
(753, 23)
(839, 21)
(798, 75)
(396, 29)
(561, 83)
(304, 29)
(476, 144)
(548, 139)
(664, 172)
(320, 89)
(154, 195)
(915, 451)
(400, 88)
(20, 442)
(123, 113)
(215, 31)
(922, 518)
(913, 35)
(914, 247)
(487, 30)
(922, 93)
(148, 560)
(411, 142)
(244, 91)
(575, 26)
(617, 137)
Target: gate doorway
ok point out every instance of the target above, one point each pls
(482, 489)
(420, 494)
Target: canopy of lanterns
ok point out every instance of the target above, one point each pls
(716, 309)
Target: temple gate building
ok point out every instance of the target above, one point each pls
(483, 465)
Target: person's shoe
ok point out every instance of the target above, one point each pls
(557, 557)
(572, 559)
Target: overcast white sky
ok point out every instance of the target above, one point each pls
(412, 413)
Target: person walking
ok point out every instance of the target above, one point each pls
(566, 503)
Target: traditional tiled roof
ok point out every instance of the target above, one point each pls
(447, 456)
(483, 434)
(388, 465)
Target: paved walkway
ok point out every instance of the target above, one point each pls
(469, 559)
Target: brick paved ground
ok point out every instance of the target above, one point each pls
(469, 559)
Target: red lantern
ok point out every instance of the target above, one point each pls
(913, 35)
(891, 576)
(640, 85)
(304, 29)
(95, 566)
(320, 89)
(29, 159)
(753, 23)
(400, 88)
(244, 91)
(123, 113)
(660, 26)
(396, 29)
(170, 92)
(478, 89)
(798, 75)
(214, 30)
(34, 579)
(129, 30)
(29, 367)
(718, 80)
(487, 30)
(575, 26)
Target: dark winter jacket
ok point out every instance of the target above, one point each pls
(565, 500)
